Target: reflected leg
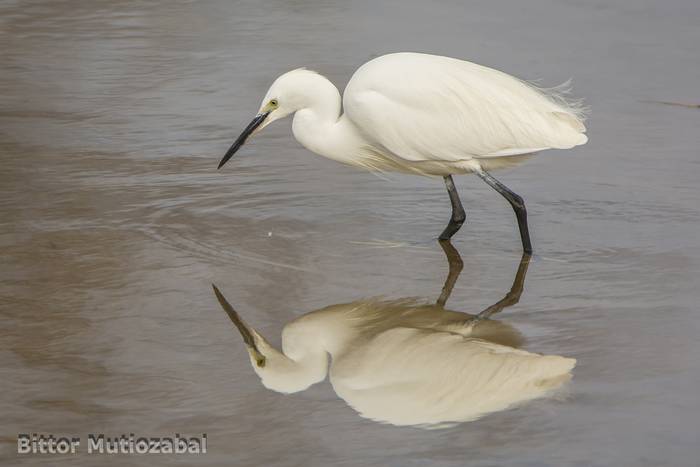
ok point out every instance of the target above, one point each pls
(513, 296)
(516, 202)
(454, 260)
(458, 215)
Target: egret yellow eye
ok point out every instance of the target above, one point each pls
(274, 103)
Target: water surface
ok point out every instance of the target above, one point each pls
(114, 223)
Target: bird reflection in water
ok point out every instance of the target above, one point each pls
(407, 363)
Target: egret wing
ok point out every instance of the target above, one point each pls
(423, 107)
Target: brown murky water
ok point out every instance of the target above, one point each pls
(114, 223)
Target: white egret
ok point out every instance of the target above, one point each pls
(427, 115)
(405, 363)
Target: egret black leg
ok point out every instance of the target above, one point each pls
(518, 206)
(458, 215)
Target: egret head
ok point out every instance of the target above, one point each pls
(292, 91)
(276, 371)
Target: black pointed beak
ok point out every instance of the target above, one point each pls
(243, 328)
(257, 121)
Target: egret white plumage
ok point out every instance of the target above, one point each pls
(427, 115)
(405, 363)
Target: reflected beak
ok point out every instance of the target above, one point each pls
(246, 331)
(250, 129)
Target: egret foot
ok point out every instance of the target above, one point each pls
(458, 214)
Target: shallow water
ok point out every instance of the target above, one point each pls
(114, 223)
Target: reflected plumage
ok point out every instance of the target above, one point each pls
(427, 115)
(407, 363)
